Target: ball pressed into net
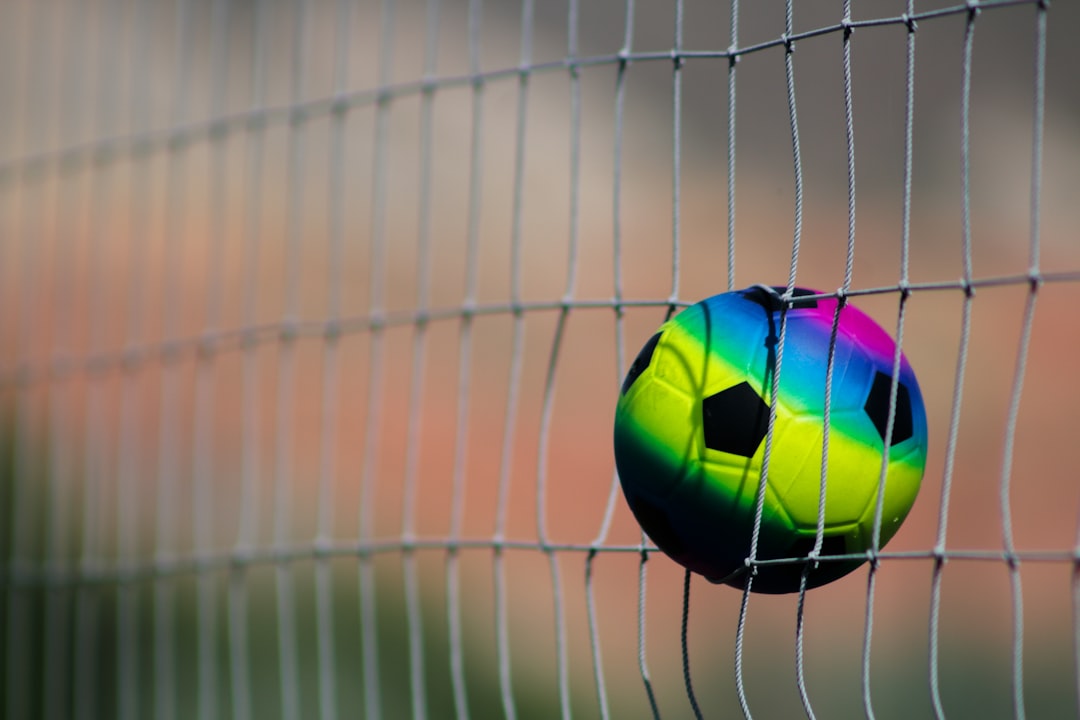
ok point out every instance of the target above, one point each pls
(691, 425)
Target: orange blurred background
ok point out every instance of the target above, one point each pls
(171, 289)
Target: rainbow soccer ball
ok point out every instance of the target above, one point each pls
(691, 426)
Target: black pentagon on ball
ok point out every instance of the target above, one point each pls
(877, 407)
(640, 362)
(735, 420)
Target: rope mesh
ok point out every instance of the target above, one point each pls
(307, 320)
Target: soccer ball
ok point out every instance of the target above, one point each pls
(691, 425)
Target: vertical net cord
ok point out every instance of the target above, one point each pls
(796, 154)
(759, 503)
(1076, 611)
(958, 388)
(882, 480)
(643, 666)
(331, 380)
(1038, 116)
(594, 638)
(376, 306)
(517, 357)
(904, 279)
(465, 348)
(830, 367)
(58, 471)
(1038, 123)
(573, 13)
(17, 702)
(58, 542)
(1013, 563)
(676, 256)
(613, 489)
(905, 239)
(849, 125)
(751, 566)
(890, 423)
(165, 696)
(547, 404)
(895, 373)
(250, 394)
(419, 358)
(733, 61)
(620, 341)
(903, 284)
(676, 151)
(1037, 126)
(285, 412)
(812, 558)
(943, 513)
(849, 137)
(562, 671)
(685, 648)
(131, 432)
(205, 386)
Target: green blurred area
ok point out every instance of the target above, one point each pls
(85, 661)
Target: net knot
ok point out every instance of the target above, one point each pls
(287, 330)
(376, 321)
(298, 116)
(241, 556)
(322, 547)
(218, 129)
(939, 556)
(332, 330)
(340, 104)
(61, 366)
(208, 344)
(169, 352)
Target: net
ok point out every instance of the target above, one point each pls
(313, 316)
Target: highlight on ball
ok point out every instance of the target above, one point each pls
(691, 425)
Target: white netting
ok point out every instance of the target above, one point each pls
(313, 317)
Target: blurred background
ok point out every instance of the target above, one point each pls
(306, 307)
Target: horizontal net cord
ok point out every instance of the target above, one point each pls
(211, 344)
(144, 142)
(27, 575)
